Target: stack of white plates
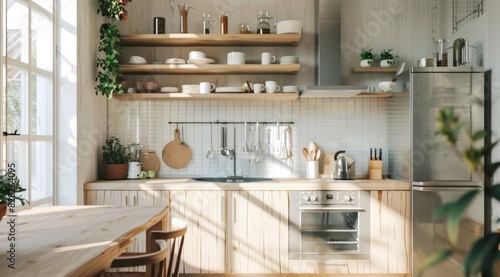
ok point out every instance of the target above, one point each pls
(137, 60)
(291, 89)
(175, 61)
(289, 59)
(201, 61)
(190, 88)
(289, 27)
(169, 89)
(230, 89)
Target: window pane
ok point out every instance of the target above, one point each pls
(17, 154)
(42, 41)
(17, 112)
(46, 4)
(17, 31)
(41, 170)
(41, 113)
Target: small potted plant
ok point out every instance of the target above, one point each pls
(8, 190)
(387, 58)
(115, 158)
(367, 57)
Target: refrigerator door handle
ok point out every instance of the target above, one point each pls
(435, 189)
(453, 184)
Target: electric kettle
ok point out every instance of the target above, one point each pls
(342, 167)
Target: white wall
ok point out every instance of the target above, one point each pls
(334, 124)
(90, 125)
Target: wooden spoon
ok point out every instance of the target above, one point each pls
(305, 153)
(312, 155)
(318, 154)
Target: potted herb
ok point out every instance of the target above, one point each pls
(108, 68)
(115, 158)
(367, 57)
(9, 187)
(387, 57)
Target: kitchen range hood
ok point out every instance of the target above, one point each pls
(328, 83)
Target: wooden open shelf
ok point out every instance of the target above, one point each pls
(211, 40)
(375, 69)
(207, 97)
(221, 69)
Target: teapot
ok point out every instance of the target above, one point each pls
(342, 166)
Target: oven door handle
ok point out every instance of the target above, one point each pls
(335, 209)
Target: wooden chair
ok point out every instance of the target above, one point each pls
(169, 241)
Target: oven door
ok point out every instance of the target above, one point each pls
(328, 231)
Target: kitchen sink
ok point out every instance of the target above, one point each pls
(232, 179)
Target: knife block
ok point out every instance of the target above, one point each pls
(374, 170)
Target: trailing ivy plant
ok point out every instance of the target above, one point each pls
(108, 68)
(484, 252)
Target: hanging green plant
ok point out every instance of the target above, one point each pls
(108, 68)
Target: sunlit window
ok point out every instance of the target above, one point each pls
(28, 95)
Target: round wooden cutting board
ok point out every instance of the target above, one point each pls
(176, 154)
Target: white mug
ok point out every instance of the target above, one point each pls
(206, 87)
(258, 88)
(272, 87)
(267, 58)
(235, 58)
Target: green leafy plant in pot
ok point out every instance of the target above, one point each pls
(115, 158)
(484, 252)
(387, 57)
(108, 67)
(367, 57)
(9, 189)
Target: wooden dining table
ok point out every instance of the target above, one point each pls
(72, 240)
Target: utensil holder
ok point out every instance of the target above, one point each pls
(312, 169)
(375, 170)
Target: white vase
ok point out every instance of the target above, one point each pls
(386, 63)
(366, 63)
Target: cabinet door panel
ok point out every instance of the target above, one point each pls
(259, 231)
(204, 212)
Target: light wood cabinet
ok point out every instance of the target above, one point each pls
(246, 231)
(258, 232)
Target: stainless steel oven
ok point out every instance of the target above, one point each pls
(329, 225)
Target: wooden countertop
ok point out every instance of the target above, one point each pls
(279, 184)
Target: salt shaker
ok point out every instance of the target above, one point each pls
(206, 23)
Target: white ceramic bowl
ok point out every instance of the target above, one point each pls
(386, 86)
(197, 55)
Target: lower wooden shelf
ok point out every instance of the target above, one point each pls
(207, 97)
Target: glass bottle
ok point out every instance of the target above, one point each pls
(223, 23)
(183, 10)
(206, 23)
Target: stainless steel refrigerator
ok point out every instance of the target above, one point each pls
(438, 175)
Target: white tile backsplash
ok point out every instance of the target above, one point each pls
(334, 124)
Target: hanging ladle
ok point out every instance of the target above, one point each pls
(224, 151)
(210, 153)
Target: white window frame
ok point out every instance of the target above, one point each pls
(31, 70)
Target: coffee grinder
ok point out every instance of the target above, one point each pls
(134, 165)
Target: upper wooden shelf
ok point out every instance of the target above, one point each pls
(221, 69)
(206, 97)
(211, 40)
(375, 69)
